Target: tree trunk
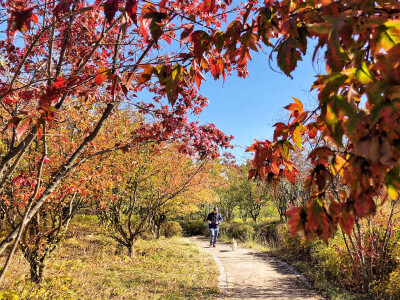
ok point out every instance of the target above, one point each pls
(37, 271)
(34, 273)
(42, 268)
(360, 243)
(131, 251)
(254, 216)
(158, 231)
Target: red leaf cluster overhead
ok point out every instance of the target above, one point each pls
(354, 130)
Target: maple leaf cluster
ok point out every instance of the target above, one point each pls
(354, 131)
(70, 68)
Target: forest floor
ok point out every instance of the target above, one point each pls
(251, 274)
(88, 265)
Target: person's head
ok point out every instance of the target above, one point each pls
(215, 209)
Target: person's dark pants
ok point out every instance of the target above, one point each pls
(214, 234)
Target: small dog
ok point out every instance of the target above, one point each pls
(233, 245)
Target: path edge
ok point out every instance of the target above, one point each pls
(222, 280)
(298, 275)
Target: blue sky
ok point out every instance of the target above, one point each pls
(247, 108)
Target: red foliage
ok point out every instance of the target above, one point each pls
(361, 144)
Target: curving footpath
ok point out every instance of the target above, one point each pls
(246, 274)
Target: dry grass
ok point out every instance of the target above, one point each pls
(86, 267)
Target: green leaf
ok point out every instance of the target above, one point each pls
(329, 84)
(288, 55)
(177, 70)
(319, 28)
(345, 106)
(333, 117)
(219, 39)
(171, 88)
(285, 147)
(297, 135)
(363, 74)
(393, 192)
(353, 121)
(392, 181)
(389, 35)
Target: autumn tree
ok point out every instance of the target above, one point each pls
(250, 196)
(58, 55)
(47, 228)
(153, 181)
(357, 108)
(286, 195)
(198, 192)
(238, 195)
(227, 189)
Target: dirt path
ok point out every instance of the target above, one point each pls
(255, 275)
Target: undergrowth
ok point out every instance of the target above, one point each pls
(89, 265)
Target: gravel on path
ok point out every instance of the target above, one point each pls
(255, 275)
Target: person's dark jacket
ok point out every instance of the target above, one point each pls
(214, 218)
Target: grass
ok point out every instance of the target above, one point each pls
(86, 267)
(316, 276)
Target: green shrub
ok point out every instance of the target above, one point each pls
(225, 229)
(193, 227)
(147, 236)
(271, 234)
(389, 287)
(242, 232)
(171, 228)
(296, 244)
(329, 258)
(251, 223)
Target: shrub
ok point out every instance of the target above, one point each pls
(243, 232)
(49, 289)
(193, 227)
(225, 229)
(297, 245)
(271, 234)
(331, 258)
(147, 236)
(171, 228)
(389, 287)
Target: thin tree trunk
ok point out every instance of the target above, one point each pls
(158, 231)
(131, 251)
(42, 268)
(34, 272)
(386, 239)
(361, 254)
(348, 248)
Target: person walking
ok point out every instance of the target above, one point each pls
(214, 219)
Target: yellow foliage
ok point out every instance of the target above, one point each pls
(49, 289)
